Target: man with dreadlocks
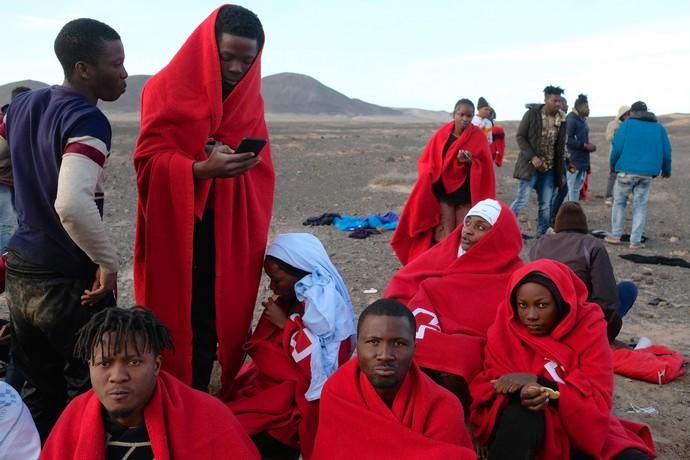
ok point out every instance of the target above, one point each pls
(135, 410)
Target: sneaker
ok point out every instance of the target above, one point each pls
(637, 245)
(612, 240)
(608, 201)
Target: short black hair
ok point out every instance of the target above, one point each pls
(581, 100)
(557, 90)
(239, 21)
(16, 91)
(82, 40)
(126, 324)
(388, 307)
(463, 101)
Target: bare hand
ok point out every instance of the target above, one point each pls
(533, 397)
(590, 147)
(510, 383)
(666, 175)
(274, 313)
(537, 163)
(464, 156)
(102, 286)
(572, 169)
(223, 162)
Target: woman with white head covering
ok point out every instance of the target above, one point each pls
(454, 289)
(306, 331)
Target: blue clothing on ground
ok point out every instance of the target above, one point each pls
(39, 124)
(576, 136)
(627, 294)
(348, 223)
(641, 147)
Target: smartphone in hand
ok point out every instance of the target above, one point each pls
(251, 144)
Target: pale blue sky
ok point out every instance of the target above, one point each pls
(407, 54)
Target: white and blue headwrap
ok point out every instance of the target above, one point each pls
(328, 312)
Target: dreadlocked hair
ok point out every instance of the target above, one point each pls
(557, 90)
(124, 325)
(581, 100)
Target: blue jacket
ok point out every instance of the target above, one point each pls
(641, 146)
(577, 135)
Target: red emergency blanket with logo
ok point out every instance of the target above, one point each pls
(454, 299)
(422, 212)
(577, 350)
(182, 106)
(425, 420)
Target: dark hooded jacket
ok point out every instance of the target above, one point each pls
(528, 139)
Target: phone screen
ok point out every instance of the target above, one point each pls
(251, 144)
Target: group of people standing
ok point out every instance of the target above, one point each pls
(466, 332)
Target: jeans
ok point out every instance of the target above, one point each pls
(610, 183)
(543, 183)
(8, 215)
(627, 294)
(639, 186)
(575, 181)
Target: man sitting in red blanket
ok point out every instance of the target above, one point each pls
(381, 406)
(455, 171)
(203, 210)
(454, 289)
(135, 410)
(547, 386)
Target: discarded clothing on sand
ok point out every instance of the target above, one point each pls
(656, 260)
(656, 364)
(326, 218)
(349, 223)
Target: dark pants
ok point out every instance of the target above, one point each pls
(46, 313)
(271, 449)
(519, 434)
(204, 337)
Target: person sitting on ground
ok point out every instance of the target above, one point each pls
(453, 291)
(135, 410)
(588, 258)
(455, 172)
(18, 435)
(547, 386)
(380, 405)
(306, 331)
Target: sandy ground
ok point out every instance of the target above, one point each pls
(366, 166)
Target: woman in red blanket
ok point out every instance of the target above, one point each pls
(547, 386)
(454, 290)
(306, 332)
(203, 211)
(455, 171)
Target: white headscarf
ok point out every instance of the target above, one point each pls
(328, 312)
(487, 209)
(18, 435)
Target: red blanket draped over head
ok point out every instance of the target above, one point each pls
(577, 350)
(425, 420)
(181, 423)
(181, 108)
(454, 299)
(422, 212)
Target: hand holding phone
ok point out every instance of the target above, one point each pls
(251, 144)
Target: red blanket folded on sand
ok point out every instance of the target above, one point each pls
(425, 420)
(454, 299)
(656, 364)
(182, 423)
(579, 351)
(422, 212)
(182, 106)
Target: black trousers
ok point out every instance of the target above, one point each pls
(271, 449)
(204, 337)
(519, 434)
(46, 313)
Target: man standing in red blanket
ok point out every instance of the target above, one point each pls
(135, 410)
(204, 210)
(381, 405)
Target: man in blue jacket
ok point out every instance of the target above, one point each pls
(641, 150)
(579, 148)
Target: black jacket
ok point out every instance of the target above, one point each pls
(528, 139)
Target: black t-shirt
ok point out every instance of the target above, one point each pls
(462, 194)
(124, 442)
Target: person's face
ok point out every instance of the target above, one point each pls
(124, 382)
(484, 112)
(282, 282)
(236, 57)
(584, 110)
(536, 308)
(107, 77)
(463, 116)
(473, 230)
(552, 103)
(385, 346)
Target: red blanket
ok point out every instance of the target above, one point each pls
(182, 107)
(425, 421)
(498, 146)
(181, 422)
(422, 212)
(454, 299)
(656, 364)
(579, 348)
